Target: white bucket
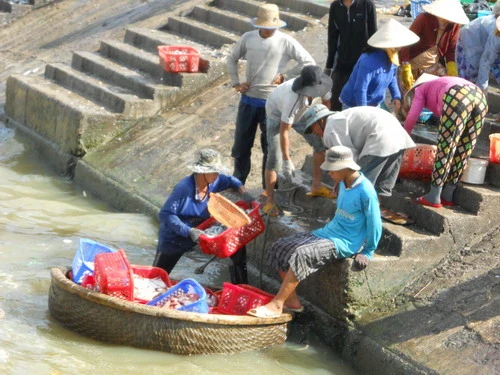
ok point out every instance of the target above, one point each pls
(475, 171)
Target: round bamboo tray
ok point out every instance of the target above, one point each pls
(116, 321)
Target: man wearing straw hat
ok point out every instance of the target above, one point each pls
(438, 28)
(376, 69)
(267, 51)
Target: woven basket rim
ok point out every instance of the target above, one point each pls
(226, 212)
(58, 276)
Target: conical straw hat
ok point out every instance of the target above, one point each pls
(425, 77)
(392, 34)
(450, 10)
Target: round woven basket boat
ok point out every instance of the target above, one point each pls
(116, 321)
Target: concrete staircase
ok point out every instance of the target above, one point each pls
(103, 93)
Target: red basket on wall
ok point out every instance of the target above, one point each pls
(113, 275)
(238, 299)
(418, 162)
(179, 59)
(232, 239)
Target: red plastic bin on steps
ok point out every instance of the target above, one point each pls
(179, 59)
(418, 162)
(231, 240)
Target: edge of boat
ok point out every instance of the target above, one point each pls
(114, 320)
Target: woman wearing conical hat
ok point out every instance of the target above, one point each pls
(461, 107)
(376, 69)
(438, 28)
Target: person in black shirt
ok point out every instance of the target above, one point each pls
(351, 23)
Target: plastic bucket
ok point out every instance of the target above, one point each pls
(495, 148)
(475, 171)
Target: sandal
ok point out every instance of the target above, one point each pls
(263, 312)
(398, 218)
(322, 192)
(446, 203)
(425, 202)
(272, 209)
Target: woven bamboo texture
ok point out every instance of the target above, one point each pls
(226, 212)
(116, 321)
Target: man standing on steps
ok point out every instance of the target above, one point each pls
(267, 51)
(350, 24)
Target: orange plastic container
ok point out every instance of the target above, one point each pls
(179, 59)
(418, 162)
(495, 148)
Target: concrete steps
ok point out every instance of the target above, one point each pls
(76, 123)
(200, 32)
(113, 98)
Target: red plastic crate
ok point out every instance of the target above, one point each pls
(150, 273)
(418, 162)
(113, 275)
(232, 239)
(179, 59)
(238, 299)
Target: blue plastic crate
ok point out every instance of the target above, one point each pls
(416, 7)
(83, 262)
(184, 287)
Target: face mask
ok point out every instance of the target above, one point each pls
(393, 55)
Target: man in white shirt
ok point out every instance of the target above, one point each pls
(375, 137)
(267, 51)
(283, 110)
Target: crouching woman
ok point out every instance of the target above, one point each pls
(354, 231)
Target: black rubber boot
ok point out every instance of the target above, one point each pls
(238, 274)
(238, 270)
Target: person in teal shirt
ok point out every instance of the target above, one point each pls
(354, 231)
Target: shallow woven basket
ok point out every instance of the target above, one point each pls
(226, 212)
(117, 321)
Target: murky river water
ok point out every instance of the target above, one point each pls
(42, 218)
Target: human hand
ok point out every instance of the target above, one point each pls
(242, 87)
(279, 79)
(360, 261)
(288, 170)
(195, 233)
(396, 105)
(203, 65)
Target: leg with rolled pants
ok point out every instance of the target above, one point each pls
(238, 270)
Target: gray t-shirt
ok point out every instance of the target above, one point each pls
(266, 57)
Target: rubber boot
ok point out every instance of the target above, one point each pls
(238, 274)
(238, 270)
